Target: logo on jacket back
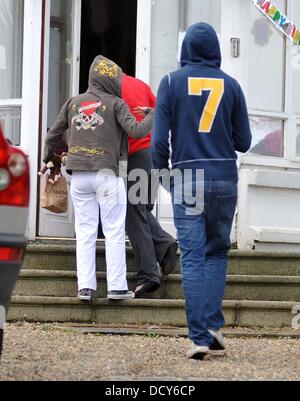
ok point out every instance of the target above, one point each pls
(106, 69)
(87, 115)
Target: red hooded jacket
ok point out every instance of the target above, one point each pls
(137, 93)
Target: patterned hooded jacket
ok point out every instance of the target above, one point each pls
(98, 123)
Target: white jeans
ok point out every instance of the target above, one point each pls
(89, 190)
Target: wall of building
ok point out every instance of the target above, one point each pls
(268, 68)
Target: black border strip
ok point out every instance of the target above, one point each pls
(13, 241)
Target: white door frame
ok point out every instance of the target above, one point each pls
(77, 7)
(143, 42)
(31, 99)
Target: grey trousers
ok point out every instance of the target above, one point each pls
(148, 239)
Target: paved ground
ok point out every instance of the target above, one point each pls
(43, 352)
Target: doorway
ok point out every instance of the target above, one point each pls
(75, 33)
(108, 27)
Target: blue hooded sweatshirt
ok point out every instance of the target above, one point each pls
(205, 110)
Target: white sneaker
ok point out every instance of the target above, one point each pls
(219, 343)
(120, 295)
(197, 352)
(86, 294)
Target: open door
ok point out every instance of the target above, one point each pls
(108, 27)
(61, 81)
(75, 32)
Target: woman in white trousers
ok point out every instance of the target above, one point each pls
(98, 123)
(89, 190)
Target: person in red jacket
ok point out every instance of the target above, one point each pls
(150, 243)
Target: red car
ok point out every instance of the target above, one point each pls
(14, 202)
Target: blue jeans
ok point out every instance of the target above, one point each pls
(204, 239)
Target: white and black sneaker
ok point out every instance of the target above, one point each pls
(197, 352)
(120, 295)
(219, 343)
(86, 294)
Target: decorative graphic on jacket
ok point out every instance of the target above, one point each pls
(87, 115)
(106, 69)
(87, 151)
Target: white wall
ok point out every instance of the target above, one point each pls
(269, 213)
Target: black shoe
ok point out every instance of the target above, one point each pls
(147, 286)
(169, 262)
(219, 343)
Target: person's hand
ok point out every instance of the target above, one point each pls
(64, 159)
(142, 111)
(54, 165)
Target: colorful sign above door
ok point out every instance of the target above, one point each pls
(279, 19)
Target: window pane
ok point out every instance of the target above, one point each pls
(267, 136)
(11, 48)
(298, 139)
(165, 30)
(266, 62)
(296, 62)
(60, 63)
(11, 121)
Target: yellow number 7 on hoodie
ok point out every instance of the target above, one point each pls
(216, 89)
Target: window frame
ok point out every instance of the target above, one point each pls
(290, 158)
(294, 119)
(17, 102)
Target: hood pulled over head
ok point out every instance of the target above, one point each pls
(105, 76)
(201, 46)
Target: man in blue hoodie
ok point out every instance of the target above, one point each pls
(205, 111)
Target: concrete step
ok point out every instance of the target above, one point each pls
(172, 331)
(59, 283)
(158, 312)
(62, 257)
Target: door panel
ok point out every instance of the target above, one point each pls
(166, 40)
(61, 81)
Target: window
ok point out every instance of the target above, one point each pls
(296, 76)
(10, 117)
(267, 136)
(266, 80)
(60, 62)
(296, 62)
(266, 62)
(298, 138)
(11, 57)
(169, 19)
(11, 48)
